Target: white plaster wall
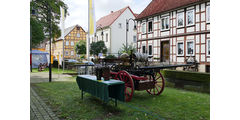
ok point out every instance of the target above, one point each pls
(179, 31)
(202, 38)
(165, 33)
(190, 29)
(118, 35)
(202, 58)
(180, 59)
(203, 26)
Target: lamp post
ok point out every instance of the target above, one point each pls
(50, 42)
(101, 32)
(127, 29)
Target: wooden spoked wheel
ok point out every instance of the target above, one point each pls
(129, 85)
(158, 83)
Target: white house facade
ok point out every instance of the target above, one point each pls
(176, 30)
(113, 27)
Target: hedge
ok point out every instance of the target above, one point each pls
(193, 81)
(187, 76)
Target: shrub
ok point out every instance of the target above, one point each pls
(110, 57)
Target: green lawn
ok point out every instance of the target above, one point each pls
(173, 104)
(55, 70)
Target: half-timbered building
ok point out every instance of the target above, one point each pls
(72, 35)
(173, 30)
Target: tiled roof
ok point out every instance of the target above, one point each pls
(110, 18)
(158, 6)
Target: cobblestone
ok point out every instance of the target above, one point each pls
(38, 109)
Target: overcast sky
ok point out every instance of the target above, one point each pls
(78, 9)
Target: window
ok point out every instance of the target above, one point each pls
(143, 28)
(69, 34)
(143, 49)
(150, 50)
(165, 23)
(72, 43)
(66, 53)
(119, 25)
(180, 49)
(208, 14)
(71, 53)
(67, 43)
(134, 38)
(150, 26)
(78, 35)
(180, 19)
(190, 17)
(106, 37)
(190, 48)
(78, 28)
(208, 47)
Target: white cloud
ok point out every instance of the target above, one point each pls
(78, 9)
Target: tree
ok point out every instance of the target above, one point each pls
(98, 47)
(127, 49)
(37, 32)
(80, 47)
(42, 8)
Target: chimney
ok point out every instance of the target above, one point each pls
(111, 11)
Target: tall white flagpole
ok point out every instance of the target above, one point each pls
(62, 33)
(91, 24)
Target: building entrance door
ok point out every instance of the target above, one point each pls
(165, 51)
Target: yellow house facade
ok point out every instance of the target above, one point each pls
(72, 35)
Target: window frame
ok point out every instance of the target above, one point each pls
(72, 44)
(208, 41)
(148, 26)
(187, 48)
(120, 25)
(144, 49)
(165, 23)
(208, 14)
(79, 35)
(106, 37)
(134, 40)
(177, 48)
(183, 19)
(193, 17)
(151, 50)
(144, 28)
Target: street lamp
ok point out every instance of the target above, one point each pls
(127, 29)
(50, 41)
(34, 13)
(101, 32)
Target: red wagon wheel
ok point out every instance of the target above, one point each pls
(129, 85)
(158, 84)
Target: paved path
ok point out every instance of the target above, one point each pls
(44, 77)
(38, 109)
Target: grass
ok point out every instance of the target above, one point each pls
(54, 70)
(173, 104)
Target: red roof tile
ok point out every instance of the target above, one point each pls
(158, 6)
(109, 19)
